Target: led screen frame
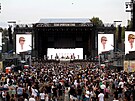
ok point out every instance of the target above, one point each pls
(129, 41)
(105, 42)
(27, 46)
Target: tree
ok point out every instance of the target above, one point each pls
(1, 29)
(129, 26)
(5, 33)
(7, 45)
(10, 34)
(5, 40)
(123, 32)
(96, 21)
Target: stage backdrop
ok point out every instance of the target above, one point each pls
(78, 53)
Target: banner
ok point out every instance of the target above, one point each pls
(129, 66)
(132, 66)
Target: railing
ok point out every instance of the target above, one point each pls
(24, 25)
(9, 56)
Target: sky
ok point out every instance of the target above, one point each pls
(31, 11)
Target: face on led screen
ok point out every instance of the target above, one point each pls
(23, 42)
(105, 42)
(129, 41)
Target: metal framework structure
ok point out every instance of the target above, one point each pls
(130, 7)
(0, 7)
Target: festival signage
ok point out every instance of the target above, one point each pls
(129, 66)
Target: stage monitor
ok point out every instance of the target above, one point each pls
(23, 42)
(105, 42)
(73, 53)
(0, 40)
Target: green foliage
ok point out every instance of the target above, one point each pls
(130, 24)
(5, 32)
(116, 33)
(96, 21)
(1, 29)
(123, 32)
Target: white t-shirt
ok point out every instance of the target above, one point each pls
(87, 94)
(5, 86)
(42, 95)
(46, 99)
(7, 80)
(75, 83)
(32, 99)
(121, 84)
(102, 86)
(34, 92)
(101, 97)
(3, 94)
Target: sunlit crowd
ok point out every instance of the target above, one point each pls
(65, 81)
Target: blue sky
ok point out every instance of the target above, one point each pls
(31, 11)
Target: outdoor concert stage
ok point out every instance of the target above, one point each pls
(64, 37)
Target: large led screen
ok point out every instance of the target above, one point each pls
(0, 41)
(129, 41)
(105, 42)
(23, 42)
(77, 53)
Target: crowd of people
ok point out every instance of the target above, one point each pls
(65, 81)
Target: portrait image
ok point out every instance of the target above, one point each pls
(105, 42)
(23, 42)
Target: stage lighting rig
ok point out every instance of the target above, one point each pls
(130, 7)
(0, 7)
